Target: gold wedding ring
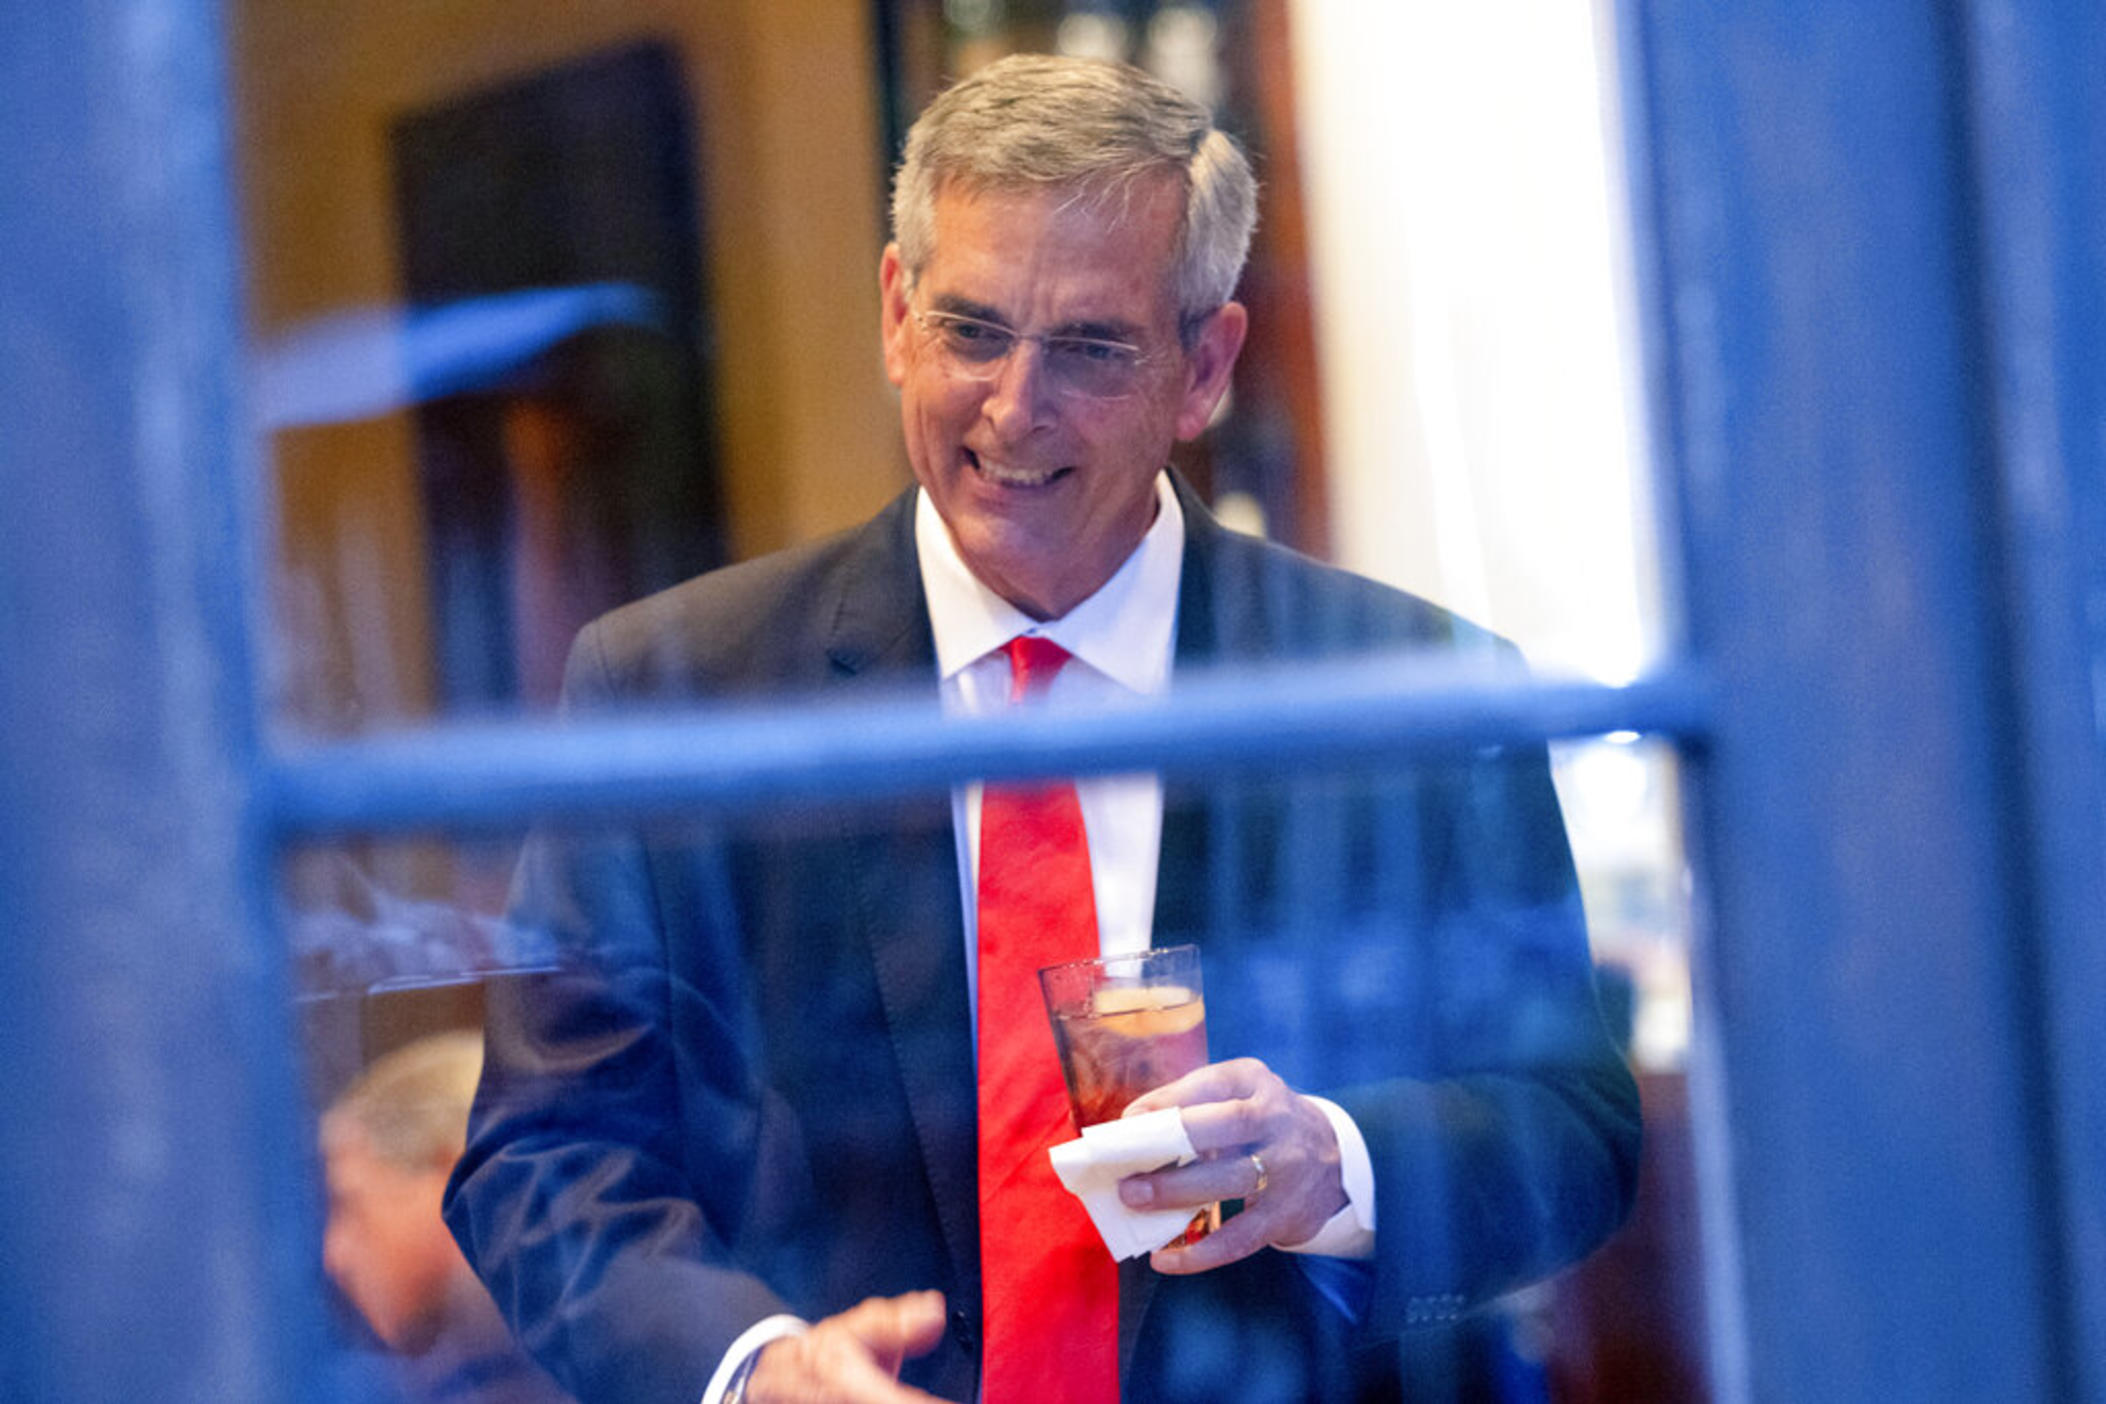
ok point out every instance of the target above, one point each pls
(1258, 1168)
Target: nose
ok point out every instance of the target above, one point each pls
(1018, 399)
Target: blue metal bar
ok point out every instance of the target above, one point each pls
(156, 1233)
(2039, 144)
(1666, 398)
(1862, 980)
(1338, 713)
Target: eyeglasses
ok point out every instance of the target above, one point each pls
(1082, 366)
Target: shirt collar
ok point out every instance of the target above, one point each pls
(1126, 630)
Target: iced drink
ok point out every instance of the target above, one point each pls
(1125, 1025)
(1117, 1043)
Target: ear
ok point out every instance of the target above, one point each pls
(892, 313)
(1208, 365)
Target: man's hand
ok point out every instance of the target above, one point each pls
(1232, 1112)
(852, 1358)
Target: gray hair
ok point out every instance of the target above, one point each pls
(412, 1104)
(1038, 120)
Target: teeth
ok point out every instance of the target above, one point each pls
(1007, 475)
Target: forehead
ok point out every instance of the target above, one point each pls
(348, 1160)
(1055, 255)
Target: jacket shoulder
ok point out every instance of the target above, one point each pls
(758, 626)
(1263, 598)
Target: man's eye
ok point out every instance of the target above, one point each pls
(976, 338)
(1096, 353)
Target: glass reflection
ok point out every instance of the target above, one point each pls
(546, 410)
(388, 1144)
(1408, 982)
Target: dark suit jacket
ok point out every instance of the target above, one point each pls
(749, 1086)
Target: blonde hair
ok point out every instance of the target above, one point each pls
(412, 1104)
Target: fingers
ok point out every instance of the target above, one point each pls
(852, 1358)
(1216, 1082)
(1207, 1181)
(1235, 1240)
(1261, 1142)
(896, 1329)
(1233, 1106)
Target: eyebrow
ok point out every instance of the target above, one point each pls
(957, 306)
(1100, 331)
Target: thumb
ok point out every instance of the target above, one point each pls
(897, 1328)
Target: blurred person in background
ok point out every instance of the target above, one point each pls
(388, 1145)
(777, 1129)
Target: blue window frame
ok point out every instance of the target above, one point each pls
(1875, 278)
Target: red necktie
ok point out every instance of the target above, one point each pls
(1049, 1288)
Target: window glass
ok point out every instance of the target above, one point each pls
(549, 309)
(753, 1011)
(553, 310)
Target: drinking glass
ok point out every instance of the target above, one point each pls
(1124, 1025)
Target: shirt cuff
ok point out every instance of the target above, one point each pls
(1350, 1233)
(772, 1328)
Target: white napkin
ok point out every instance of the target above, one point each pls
(1107, 1153)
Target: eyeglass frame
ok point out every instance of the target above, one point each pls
(991, 369)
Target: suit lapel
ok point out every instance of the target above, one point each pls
(902, 881)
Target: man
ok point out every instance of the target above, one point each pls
(720, 1152)
(388, 1145)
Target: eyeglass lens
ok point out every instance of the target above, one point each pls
(1076, 365)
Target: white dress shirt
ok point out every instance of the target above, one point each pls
(1121, 640)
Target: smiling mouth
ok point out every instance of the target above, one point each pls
(1010, 476)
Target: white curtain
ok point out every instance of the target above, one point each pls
(1470, 253)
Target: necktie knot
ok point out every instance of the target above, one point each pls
(1033, 662)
